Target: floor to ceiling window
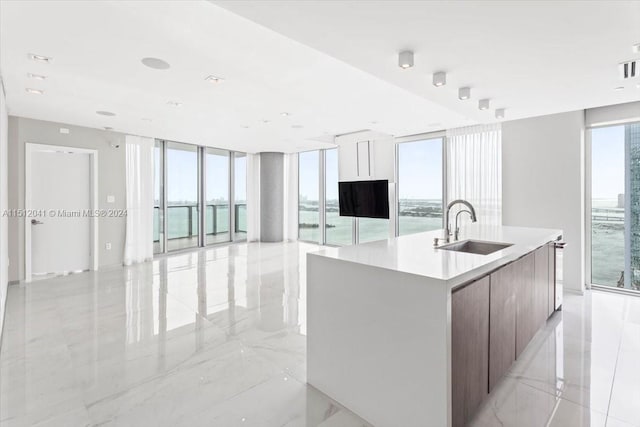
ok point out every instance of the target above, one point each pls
(420, 186)
(309, 196)
(418, 200)
(615, 206)
(240, 196)
(185, 173)
(158, 198)
(339, 229)
(217, 218)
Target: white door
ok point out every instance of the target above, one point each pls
(61, 191)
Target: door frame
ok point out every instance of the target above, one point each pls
(30, 149)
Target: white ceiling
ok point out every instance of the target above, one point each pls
(530, 57)
(97, 48)
(331, 64)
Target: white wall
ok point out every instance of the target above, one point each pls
(111, 181)
(4, 231)
(543, 182)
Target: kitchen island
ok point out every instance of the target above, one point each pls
(407, 334)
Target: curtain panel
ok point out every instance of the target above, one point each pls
(253, 197)
(139, 199)
(474, 170)
(290, 197)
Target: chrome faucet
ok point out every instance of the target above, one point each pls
(471, 212)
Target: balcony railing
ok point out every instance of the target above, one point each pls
(182, 220)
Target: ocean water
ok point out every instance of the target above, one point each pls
(416, 216)
(607, 256)
(607, 241)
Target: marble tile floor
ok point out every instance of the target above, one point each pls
(216, 337)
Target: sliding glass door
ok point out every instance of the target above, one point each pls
(197, 188)
(217, 217)
(420, 186)
(182, 196)
(615, 206)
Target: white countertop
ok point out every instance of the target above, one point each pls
(415, 253)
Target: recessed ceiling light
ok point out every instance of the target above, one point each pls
(373, 122)
(36, 76)
(174, 104)
(500, 113)
(105, 113)
(464, 93)
(285, 114)
(213, 79)
(108, 128)
(34, 91)
(439, 78)
(483, 104)
(405, 59)
(266, 122)
(146, 119)
(297, 126)
(40, 58)
(244, 126)
(636, 48)
(155, 63)
(619, 88)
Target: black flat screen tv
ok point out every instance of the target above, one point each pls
(365, 199)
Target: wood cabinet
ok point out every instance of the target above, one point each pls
(469, 349)
(502, 322)
(492, 321)
(367, 156)
(525, 302)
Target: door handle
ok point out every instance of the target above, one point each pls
(36, 222)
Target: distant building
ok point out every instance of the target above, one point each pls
(632, 135)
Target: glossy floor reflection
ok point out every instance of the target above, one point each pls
(216, 337)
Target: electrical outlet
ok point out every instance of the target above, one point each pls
(107, 246)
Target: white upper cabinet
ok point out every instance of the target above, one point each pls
(366, 156)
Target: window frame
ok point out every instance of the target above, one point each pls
(355, 235)
(588, 228)
(417, 138)
(201, 151)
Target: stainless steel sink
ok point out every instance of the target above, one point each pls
(475, 247)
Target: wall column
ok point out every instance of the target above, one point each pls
(271, 197)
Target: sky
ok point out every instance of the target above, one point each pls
(182, 176)
(420, 171)
(607, 160)
(308, 175)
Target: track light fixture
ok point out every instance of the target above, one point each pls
(405, 59)
(439, 78)
(464, 93)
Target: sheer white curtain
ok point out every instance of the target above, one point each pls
(474, 170)
(253, 197)
(291, 197)
(138, 245)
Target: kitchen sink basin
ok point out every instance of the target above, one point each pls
(475, 247)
